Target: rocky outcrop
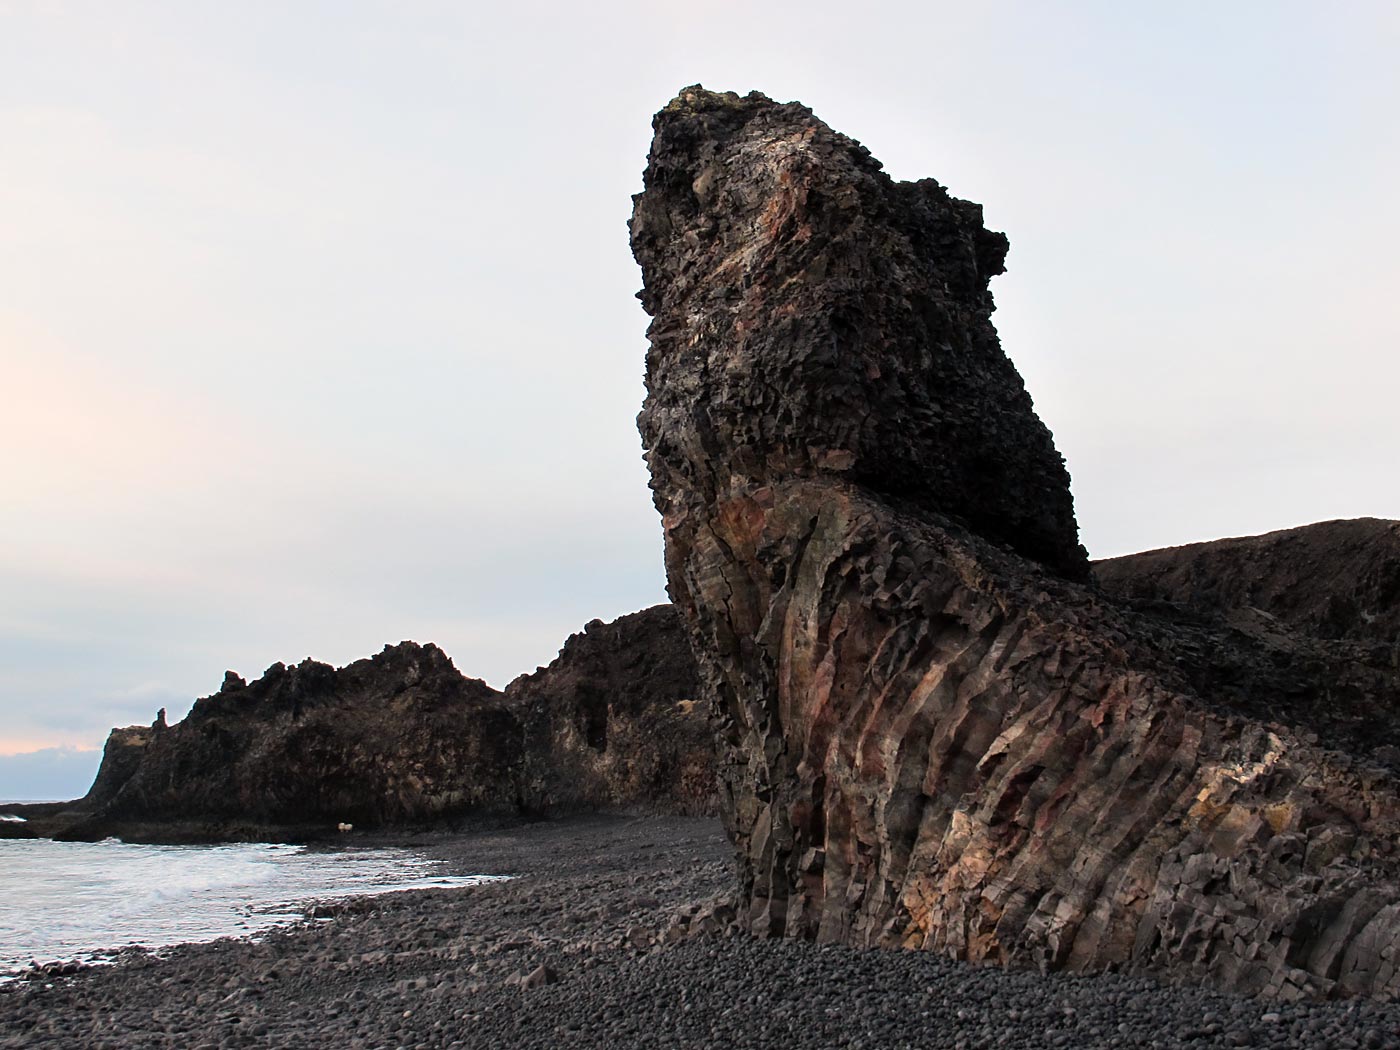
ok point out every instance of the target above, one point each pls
(1333, 580)
(403, 738)
(615, 720)
(399, 737)
(933, 731)
(1304, 620)
(121, 758)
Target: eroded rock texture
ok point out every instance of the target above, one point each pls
(932, 733)
(814, 317)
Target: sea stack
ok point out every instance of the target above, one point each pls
(935, 731)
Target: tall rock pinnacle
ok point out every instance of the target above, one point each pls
(815, 317)
(933, 731)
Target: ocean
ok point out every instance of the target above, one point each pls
(72, 900)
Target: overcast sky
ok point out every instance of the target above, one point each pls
(317, 326)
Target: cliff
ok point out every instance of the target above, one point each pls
(614, 720)
(403, 738)
(399, 737)
(934, 731)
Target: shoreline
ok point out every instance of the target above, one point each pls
(72, 822)
(589, 945)
(66, 905)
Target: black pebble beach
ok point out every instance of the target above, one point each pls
(583, 949)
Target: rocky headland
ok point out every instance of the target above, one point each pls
(404, 739)
(935, 731)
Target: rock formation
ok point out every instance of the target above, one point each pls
(1305, 620)
(934, 731)
(615, 720)
(399, 737)
(404, 738)
(121, 759)
(1333, 580)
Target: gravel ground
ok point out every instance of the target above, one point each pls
(607, 939)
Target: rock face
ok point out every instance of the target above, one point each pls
(933, 733)
(404, 738)
(1334, 580)
(614, 720)
(121, 758)
(814, 318)
(399, 737)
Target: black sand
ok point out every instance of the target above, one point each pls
(591, 906)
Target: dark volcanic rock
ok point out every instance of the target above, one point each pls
(399, 737)
(1335, 579)
(404, 738)
(813, 317)
(1303, 621)
(614, 720)
(121, 758)
(931, 733)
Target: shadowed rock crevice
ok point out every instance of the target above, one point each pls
(933, 731)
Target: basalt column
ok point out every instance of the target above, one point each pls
(933, 730)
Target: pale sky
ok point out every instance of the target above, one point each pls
(317, 327)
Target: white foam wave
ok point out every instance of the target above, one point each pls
(62, 900)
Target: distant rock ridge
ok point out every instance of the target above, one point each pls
(403, 738)
(1334, 580)
(935, 730)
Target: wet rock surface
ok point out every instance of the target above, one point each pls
(933, 731)
(403, 739)
(592, 906)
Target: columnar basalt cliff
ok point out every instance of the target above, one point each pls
(934, 731)
(404, 738)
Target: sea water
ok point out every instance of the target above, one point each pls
(71, 900)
